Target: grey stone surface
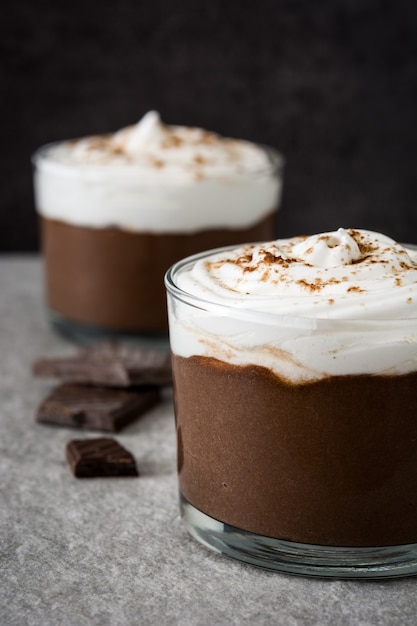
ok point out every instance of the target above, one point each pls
(113, 551)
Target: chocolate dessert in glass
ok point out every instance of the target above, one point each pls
(295, 387)
(116, 211)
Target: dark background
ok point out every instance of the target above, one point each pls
(332, 84)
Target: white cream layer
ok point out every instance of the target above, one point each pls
(308, 307)
(157, 178)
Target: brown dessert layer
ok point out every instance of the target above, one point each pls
(112, 278)
(332, 462)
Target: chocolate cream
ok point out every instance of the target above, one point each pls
(113, 278)
(118, 209)
(295, 383)
(331, 462)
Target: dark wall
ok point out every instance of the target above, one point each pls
(332, 84)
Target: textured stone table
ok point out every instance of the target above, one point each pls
(113, 551)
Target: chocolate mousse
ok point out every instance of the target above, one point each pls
(331, 462)
(113, 278)
(295, 386)
(117, 210)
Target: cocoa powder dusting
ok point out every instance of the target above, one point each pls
(172, 141)
(316, 286)
(207, 137)
(365, 248)
(99, 142)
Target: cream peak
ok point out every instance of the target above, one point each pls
(328, 250)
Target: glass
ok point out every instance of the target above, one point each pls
(315, 478)
(103, 279)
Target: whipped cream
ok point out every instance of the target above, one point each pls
(336, 303)
(152, 177)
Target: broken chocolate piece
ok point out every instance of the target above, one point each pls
(83, 370)
(110, 364)
(95, 458)
(95, 408)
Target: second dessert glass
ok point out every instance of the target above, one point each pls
(297, 436)
(117, 210)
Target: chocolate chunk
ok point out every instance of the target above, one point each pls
(83, 370)
(109, 364)
(95, 408)
(95, 458)
(143, 366)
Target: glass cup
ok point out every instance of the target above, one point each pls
(105, 279)
(314, 478)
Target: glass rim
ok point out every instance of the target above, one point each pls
(40, 158)
(228, 310)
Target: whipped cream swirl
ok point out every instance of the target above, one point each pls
(158, 178)
(336, 303)
(164, 151)
(347, 274)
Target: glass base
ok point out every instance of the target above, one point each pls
(299, 558)
(84, 334)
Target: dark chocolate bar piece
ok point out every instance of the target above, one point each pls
(110, 364)
(95, 408)
(143, 366)
(101, 457)
(82, 370)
